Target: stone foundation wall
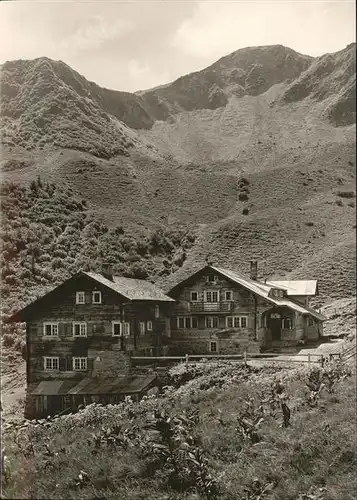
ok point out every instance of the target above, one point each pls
(110, 363)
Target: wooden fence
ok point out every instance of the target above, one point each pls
(309, 358)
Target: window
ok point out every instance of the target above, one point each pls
(50, 329)
(126, 329)
(116, 329)
(142, 328)
(79, 329)
(80, 298)
(311, 322)
(79, 363)
(287, 323)
(194, 296)
(228, 295)
(211, 322)
(236, 322)
(120, 329)
(187, 322)
(211, 278)
(211, 297)
(157, 311)
(149, 326)
(51, 363)
(213, 346)
(97, 297)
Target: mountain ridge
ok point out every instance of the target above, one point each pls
(189, 149)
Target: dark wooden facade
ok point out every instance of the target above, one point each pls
(99, 349)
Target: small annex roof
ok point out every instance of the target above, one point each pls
(118, 385)
(260, 289)
(132, 289)
(296, 287)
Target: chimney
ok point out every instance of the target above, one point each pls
(254, 270)
(107, 271)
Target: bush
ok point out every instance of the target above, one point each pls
(346, 194)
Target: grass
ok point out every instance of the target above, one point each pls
(191, 444)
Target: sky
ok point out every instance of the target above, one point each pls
(137, 45)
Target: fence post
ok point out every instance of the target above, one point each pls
(245, 358)
(187, 357)
(309, 360)
(322, 360)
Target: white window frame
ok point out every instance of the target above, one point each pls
(211, 318)
(149, 326)
(100, 297)
(287, 327)
(237, 321)
(80, 294)
(178, 322)
(83, 363)
(81, 324)
(211, 292)
(210, 346)
(126, 329)
(120, 329)
(211, 280)
(52, 358)
(225, 295)
(194, 292)
(54, 326)
(184, 319)
(157, 311)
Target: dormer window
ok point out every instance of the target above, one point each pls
(97, 297)
(211, 278)
(80, 298)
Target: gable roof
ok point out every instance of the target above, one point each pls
(296, 287)
(258, 288)
(132, 289)
(128, 288)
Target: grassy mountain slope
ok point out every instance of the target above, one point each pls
(262, 171)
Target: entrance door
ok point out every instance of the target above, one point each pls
(275, 326)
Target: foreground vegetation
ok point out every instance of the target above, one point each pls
(219, 430)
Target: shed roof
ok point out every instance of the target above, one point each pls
(296, 287)
(92, 386)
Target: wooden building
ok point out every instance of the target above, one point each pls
(81, 335)
(80, 338)
(221, 311)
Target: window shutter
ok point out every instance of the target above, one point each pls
(90, 364)
(61, 329)
(67, 329)
(62, 364)
(68, 363)
(88, 297)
